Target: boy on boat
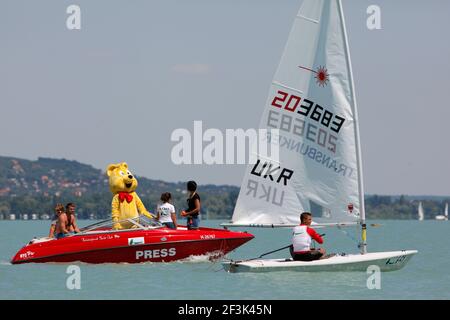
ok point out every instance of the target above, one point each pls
(51, 233)
(302, 236)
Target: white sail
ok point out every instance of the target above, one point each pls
(420, 212)
(445, 215)
(311, 102)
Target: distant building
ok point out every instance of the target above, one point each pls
(17, 167)
(12, 216)
(4, 191)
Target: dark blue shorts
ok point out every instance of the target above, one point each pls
(63, 235)
(60, 235)
(193, 223)
(170, 225)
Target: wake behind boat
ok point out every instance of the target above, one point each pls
(146, 241)
(312, 107)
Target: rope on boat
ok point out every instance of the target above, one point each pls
(264, 254)
(349, 235)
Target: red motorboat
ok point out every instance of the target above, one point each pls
(146, 241)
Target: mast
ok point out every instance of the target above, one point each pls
(446, 210)
(363, 244)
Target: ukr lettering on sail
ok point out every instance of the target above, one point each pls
(267, 190)
(268, 170)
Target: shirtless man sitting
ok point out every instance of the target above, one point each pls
(71, 224)
(61, 230)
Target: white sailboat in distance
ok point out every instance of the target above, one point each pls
(443, 217)
(420, 212)
(312, 104)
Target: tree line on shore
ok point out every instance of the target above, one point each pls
(34, 187)
(215, 205)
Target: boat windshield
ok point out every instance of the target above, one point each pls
(141, 222)
(149, 223)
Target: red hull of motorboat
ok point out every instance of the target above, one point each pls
(133, 246)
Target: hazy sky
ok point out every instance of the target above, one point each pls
(137, 70)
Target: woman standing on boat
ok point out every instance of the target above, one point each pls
(166, 211)
(193, 211)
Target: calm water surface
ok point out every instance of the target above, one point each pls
(426, 276)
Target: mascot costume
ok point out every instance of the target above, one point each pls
(126, 203)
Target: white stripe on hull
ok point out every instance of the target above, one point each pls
(387, 261)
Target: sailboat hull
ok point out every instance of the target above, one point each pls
(386, 261)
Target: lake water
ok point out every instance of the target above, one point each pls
(424, 277)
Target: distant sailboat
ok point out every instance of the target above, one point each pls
(420, 212)
(443, 217)
(312, 103)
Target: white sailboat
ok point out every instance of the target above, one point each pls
(312, 104)
(420, 212)
(443, 217)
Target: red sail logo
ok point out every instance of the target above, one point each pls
(322, 76)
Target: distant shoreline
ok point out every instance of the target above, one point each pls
(29, 190)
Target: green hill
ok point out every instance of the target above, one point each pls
(34, 187)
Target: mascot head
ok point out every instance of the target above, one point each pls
(120, 178)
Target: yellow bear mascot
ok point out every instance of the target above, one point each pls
(125, 203)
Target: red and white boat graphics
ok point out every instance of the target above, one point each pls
(146, 241)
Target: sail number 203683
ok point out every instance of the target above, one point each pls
(308, 108)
